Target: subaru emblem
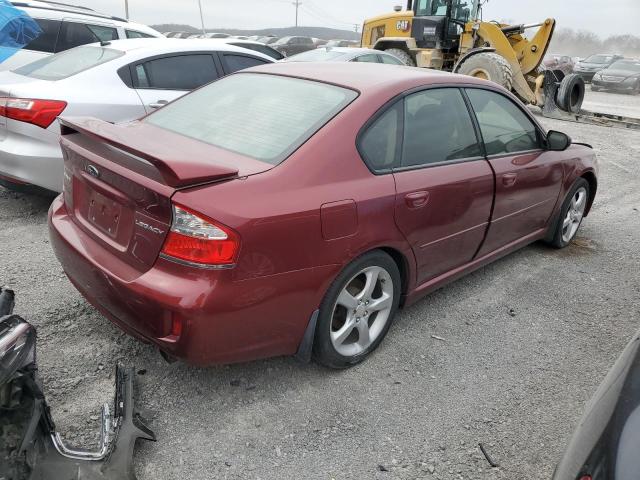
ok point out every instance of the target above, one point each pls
(93, 171)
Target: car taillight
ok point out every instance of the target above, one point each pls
(198, 240)
(37, 112)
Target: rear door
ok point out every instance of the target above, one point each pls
(161, 79)
(444, 186)
(528, 178)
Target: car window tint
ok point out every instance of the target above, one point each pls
(390, 59)
(505, 128)
(265, 117)
(378, 145)
(135, 34)
(141, 77)
(438, 128)
(75, 34)
(367, 59)
(183, 72)
(66, 64)
(240, 62)
(46, 41)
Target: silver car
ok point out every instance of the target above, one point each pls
(345, 54)
(115, 81)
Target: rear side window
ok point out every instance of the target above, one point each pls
(379, 144)
(367, 59)
(183, 72)
(266, 117)
(75, 34)
(66, 64)
(136, 34)
(391, 60)
(235, 63)
(438, 128)
(46, 41)
(505, 128)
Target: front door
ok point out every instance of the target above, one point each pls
(444, 185)
(528, 178)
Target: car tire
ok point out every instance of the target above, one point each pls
(488, 66)
(357, 310)
(571, 214)
(402, 56)
(571, 93)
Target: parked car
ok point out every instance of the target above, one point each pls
(216, 35)
(65, 26)
(605, 443)
(623, 75)
(292, 208)
(342, 43)
(270, 40)
(118, 82)
(564, 63)
(588, 67)
(343, 54)
(319, 42)
(289, 46)
(255, 46)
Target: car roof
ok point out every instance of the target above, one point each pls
(61, 11)
(366, 77)
(159, 46)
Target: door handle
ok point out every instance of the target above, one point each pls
(416, 199)
(158, 103)
(509, 179)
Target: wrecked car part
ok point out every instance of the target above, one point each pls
(30, 446)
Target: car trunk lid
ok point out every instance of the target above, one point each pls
(119, 180)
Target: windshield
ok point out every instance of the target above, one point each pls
(598, 59)
(626, 65)
(66, 64)
(461, 9)
(266, 117)
(318, 55)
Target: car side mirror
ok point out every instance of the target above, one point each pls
(558, 141)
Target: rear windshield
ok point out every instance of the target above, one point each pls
(265, 117)
(318, 55)
(66, 64)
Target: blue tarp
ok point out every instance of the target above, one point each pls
(17, 29)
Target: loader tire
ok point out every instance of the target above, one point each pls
(571, 93)
(488, 66)
(402, 56)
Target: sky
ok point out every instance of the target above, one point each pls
(603, 18)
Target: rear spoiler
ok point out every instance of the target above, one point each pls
(181, 161)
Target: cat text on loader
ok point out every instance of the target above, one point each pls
(451, 35)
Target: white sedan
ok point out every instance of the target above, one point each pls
(115, 81)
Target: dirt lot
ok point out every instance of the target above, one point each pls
(526, 342)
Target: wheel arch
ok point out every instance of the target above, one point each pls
(469, 54)
(590, 177)
(403, 266)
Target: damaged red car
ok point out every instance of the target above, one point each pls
(293, 208)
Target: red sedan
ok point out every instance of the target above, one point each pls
(292, 208)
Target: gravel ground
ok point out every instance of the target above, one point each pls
(525, 342)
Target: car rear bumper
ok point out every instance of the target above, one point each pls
(30, 160)
(221, 320)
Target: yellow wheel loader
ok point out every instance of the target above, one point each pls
(450, 35)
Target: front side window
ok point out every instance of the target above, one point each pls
(437, 128)
(266, 117)
(505, 128)
(46, 41)
(66, 64)
(183, 72)
(235, 63)
(75, 34)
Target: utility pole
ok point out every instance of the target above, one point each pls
(357, 27)
(126, 9)
(297, 4)
(201, 17)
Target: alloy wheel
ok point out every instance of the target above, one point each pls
(361, 311)
(574, 216)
